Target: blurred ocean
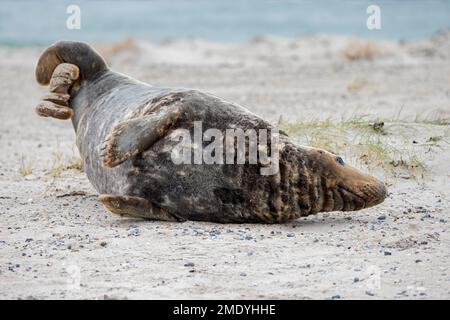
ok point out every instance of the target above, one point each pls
(29, 22)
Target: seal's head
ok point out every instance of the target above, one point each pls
(344, 188)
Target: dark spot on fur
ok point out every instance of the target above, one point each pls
(229, 196)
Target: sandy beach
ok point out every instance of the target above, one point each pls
(383, 105)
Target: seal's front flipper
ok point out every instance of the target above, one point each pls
(136, 135)
(135, 207)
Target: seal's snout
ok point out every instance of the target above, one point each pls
(365, 190)
(345, 187)
(374, 193)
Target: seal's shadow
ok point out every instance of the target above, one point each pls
(307, 223)
(319, 221)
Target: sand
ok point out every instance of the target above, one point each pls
(58, 242)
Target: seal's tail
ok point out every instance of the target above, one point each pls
(61, 66)
(89, 61)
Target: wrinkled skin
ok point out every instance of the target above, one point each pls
(309, 180)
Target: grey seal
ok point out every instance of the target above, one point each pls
(124, 133)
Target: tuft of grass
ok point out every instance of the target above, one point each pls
(373, 143)
(25, 168)
(109, 50)
(436, 122)
(359, 50)
(62, 164)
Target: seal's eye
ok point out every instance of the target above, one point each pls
(340, 161)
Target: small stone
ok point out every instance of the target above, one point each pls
(387, 253)
(243, 274)
(134, 233)
(355, 279)
(189, 264)
(290, 235)
(370, 293)
(28, 239)
(417, 261)
(103, 243)
(382, 217)
(335, 297)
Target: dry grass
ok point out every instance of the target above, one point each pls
(25, 168)
(62, 164)
(112, 49)
(359, 50)
(373, 143)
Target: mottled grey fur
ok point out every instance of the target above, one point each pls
(306, 183)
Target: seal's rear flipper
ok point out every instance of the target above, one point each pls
(134, 136)
(88, 61)
(134, 207)
(60, 66)
(56, 103)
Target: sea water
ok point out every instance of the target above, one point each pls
(27, 22)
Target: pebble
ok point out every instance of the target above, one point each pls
(355, 279)
(134, 233)
(103, 243)
(189, 264)
(387, 253)
(382, 217)
(370, 293)
(214, 233)
(290, 235)
(335, 297)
